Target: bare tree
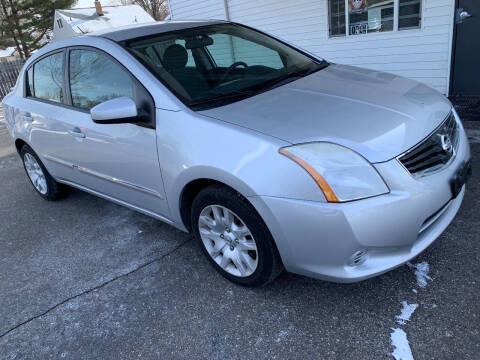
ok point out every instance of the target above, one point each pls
(158, 9)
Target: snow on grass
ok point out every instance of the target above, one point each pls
(407, 311)
(400, 343)
(421, 272)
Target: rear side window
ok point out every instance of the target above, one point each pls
(30, 82)
(95, 78)
(48, 78)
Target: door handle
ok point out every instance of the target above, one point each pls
(77, 132)
(28, 117)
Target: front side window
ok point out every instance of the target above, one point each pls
(95, 78)
(212, 65)
(368, 16)
(48, 78)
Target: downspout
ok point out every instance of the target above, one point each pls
(227, 17)
(170, 9)
(227, 11)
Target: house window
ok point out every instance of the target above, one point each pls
(336, 10)
(409, 14)
(367, 16)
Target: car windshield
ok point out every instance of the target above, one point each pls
(214, 65)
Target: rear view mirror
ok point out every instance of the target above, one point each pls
(115, 111)
(198, 42)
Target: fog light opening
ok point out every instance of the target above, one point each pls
(358, 258)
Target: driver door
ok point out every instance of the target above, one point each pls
(116, 160)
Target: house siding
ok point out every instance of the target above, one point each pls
(421, 54)
(197, 9)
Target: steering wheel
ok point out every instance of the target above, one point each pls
(230, 68)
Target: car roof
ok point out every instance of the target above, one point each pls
(140, 30)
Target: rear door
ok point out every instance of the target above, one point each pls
(43, 111)
(117, 160)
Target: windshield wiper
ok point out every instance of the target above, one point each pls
(232, 94)
(270, 84)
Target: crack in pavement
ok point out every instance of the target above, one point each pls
(96, 287)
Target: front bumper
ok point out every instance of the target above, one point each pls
(318, 239)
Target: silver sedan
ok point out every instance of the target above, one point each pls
(271, 156)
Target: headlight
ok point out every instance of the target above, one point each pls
(341, 174)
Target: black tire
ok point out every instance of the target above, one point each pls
(269, 262)
(54, 190)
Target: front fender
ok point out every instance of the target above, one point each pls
(192, 146)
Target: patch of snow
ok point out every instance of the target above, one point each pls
(284, 334)
(407, 311)
(421, 272)
(9, 51)
(89, 3)
(448, 334)
(400, 342)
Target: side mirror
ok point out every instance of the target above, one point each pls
(115, 111)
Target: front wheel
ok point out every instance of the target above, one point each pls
(234, 237)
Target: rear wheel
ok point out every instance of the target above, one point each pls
(234, 237)
(41, 180)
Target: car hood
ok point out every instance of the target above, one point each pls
(377, 114)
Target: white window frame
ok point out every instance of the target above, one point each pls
(396, 14)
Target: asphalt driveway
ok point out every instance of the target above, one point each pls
(83, 278)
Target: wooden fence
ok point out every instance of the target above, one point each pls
(8, 75)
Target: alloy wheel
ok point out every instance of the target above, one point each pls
(228, 240)
(35, 173)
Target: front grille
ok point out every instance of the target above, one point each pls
(435, 151)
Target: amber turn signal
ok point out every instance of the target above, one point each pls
(322, 184)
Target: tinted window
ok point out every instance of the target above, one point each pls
(30, 82)
(48, 78)
(95, 78)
